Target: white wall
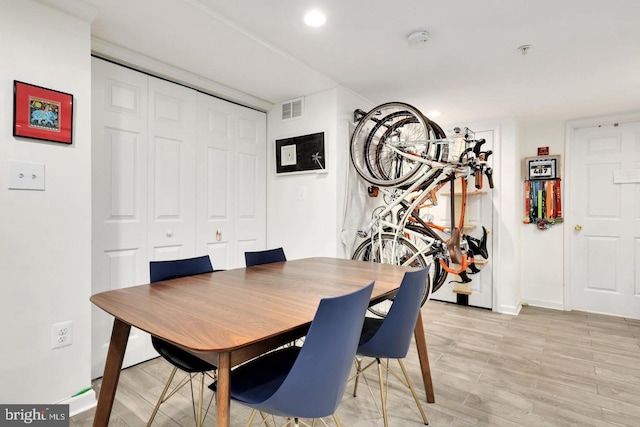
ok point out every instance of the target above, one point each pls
(508, 242)
(45, 235)
(304, 225)
(311, 227)
(350, 186)
(542, 250)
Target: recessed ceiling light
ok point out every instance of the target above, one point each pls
(433, 114)
(315, 18)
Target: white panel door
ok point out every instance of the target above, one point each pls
(172, 172)
(119, 200)
(479, 213)
(231, 181)
(161, 153)
(251, 204)
(605, 240)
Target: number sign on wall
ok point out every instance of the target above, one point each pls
(546, 167)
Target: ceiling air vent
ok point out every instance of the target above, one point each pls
(292, 109)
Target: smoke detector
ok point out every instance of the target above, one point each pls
(418, 37)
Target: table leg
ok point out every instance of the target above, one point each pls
(112, 367)
(423, 356)
(223, 399)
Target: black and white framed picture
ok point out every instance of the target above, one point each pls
(300, 154)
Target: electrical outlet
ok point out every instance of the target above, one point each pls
(61, 334)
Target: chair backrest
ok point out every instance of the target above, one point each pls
(315, 384)
(393, 337)
(264, 257)
(165, 270)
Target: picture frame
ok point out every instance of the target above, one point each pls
(300, 154)
(41, 113)
(542, 168)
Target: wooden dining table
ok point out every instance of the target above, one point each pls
(231, 316)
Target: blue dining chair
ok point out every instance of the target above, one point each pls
(389, 338)
(307, 381)
(180, 359)
(264, 257)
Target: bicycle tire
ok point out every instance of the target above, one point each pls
(389, 165)
(439, 274)
(372, 250)
(373, 159)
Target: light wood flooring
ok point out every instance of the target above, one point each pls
(540, 368)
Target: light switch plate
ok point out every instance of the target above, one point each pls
(25, 175)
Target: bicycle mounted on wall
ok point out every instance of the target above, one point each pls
(409, 158)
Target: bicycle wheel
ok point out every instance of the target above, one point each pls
(432, 255)
(381, 137)
(387, 248)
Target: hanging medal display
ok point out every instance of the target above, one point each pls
(542, 191)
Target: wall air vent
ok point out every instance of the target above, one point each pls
(292, 109)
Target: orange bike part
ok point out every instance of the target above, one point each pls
(466, 262)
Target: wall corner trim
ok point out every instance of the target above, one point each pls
(86, 10)
(118, 54)
(80, 403)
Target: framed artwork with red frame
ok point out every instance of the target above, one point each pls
(42, 113)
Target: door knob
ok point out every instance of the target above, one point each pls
(578, 227)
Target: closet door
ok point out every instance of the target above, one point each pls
(172, 172)
(251, 203)
(119, 199)
(176, 174)
(231, 181)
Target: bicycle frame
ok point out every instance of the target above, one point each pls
(431, 180)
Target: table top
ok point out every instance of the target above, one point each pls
(226, 310)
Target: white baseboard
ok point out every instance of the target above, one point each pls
(545, 304)
(509, 309)
(80, 403)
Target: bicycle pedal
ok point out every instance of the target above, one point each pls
(473, 268)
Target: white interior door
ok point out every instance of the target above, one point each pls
(479, 213)
(231, 180)
(214, 213)
(172, 172)
(119, 200)
(250, 177)
(605, 208)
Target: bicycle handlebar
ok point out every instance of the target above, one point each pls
(476, 147)
(478, 180)
(489, 173)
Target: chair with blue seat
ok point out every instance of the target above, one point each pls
(264, 257)
(307, 381)
(389, 338)
(180, 359)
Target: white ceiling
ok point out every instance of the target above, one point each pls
(584, 60)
